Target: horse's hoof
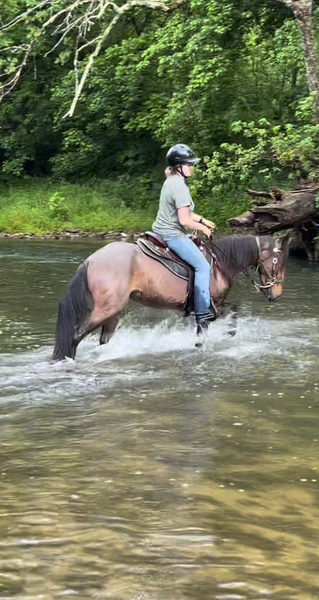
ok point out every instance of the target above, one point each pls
(201, 328)
(198, 344)
(232, 333)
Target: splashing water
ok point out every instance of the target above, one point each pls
(149, 468)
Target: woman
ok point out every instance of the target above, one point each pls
(174, 216)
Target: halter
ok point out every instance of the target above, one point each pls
(273, 279)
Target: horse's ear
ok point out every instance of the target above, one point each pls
(285, 241)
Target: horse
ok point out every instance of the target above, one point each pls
(118, 272)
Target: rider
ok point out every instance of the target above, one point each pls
(174, 216)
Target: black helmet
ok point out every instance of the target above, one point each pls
(180, 154)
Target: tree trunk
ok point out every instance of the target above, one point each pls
(302, 10)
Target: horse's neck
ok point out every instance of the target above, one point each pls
(243, 260)
(255, 251)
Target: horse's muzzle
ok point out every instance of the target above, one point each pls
(274, 293)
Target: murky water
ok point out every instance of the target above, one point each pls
(151, 470)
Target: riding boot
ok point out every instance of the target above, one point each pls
(204, 320)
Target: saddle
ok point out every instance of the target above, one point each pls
(155, 247)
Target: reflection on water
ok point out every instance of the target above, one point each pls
(148, 469)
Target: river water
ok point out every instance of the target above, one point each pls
(148, 469)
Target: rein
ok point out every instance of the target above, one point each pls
(261, 262)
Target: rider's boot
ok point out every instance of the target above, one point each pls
(204, 320)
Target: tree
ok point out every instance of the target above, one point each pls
(191, 74)
(303, 12)
(89, 22)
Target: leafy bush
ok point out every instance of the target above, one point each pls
(38, 206)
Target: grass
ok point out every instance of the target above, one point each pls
(43, 206)
(40, 206)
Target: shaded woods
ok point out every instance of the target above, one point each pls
(93, 93)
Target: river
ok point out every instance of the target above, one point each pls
(149, 469)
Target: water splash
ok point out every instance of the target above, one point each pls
(141, 352)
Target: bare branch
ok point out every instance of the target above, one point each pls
(89, 65)
(163, 6)
(120, 11)
(259, 202)
(287, 2)
(79, 16)
(258, 194)
(13, 79)
(24, 15)
(296, 4)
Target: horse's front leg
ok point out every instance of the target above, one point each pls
(233, 319)
(226, 309)
(200, 330)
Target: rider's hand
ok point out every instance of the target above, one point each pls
(207, 231)
(210, 224)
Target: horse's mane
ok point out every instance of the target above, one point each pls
(233, 250)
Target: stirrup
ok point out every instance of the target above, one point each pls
(204, 320)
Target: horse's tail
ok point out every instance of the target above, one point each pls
(74, 307)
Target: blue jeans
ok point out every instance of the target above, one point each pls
(186, 249)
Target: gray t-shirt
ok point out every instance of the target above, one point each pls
(174, 195)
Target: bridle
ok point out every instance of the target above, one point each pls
(273, 279)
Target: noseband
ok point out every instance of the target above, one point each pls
(273, 279)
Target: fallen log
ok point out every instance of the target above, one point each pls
(283, 210)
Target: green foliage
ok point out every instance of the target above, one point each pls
(227, 77)
(217, 202)
(58, 207)
(41, 206)
(272, 151)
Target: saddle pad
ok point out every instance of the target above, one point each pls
(164, 257)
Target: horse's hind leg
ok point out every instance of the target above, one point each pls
(105, 316)
(108, 328)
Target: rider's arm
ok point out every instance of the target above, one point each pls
(186, 220)
(183, 202)
(204, 221)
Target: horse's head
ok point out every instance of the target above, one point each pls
(271, 265)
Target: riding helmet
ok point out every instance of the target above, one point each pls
(180, 154)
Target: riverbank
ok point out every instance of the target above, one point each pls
(124, 206)
(49, 209)
(73, 235)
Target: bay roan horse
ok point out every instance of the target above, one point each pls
(118, 272)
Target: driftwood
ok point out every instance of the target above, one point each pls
(279, 210)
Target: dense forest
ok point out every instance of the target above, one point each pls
(227, 77)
